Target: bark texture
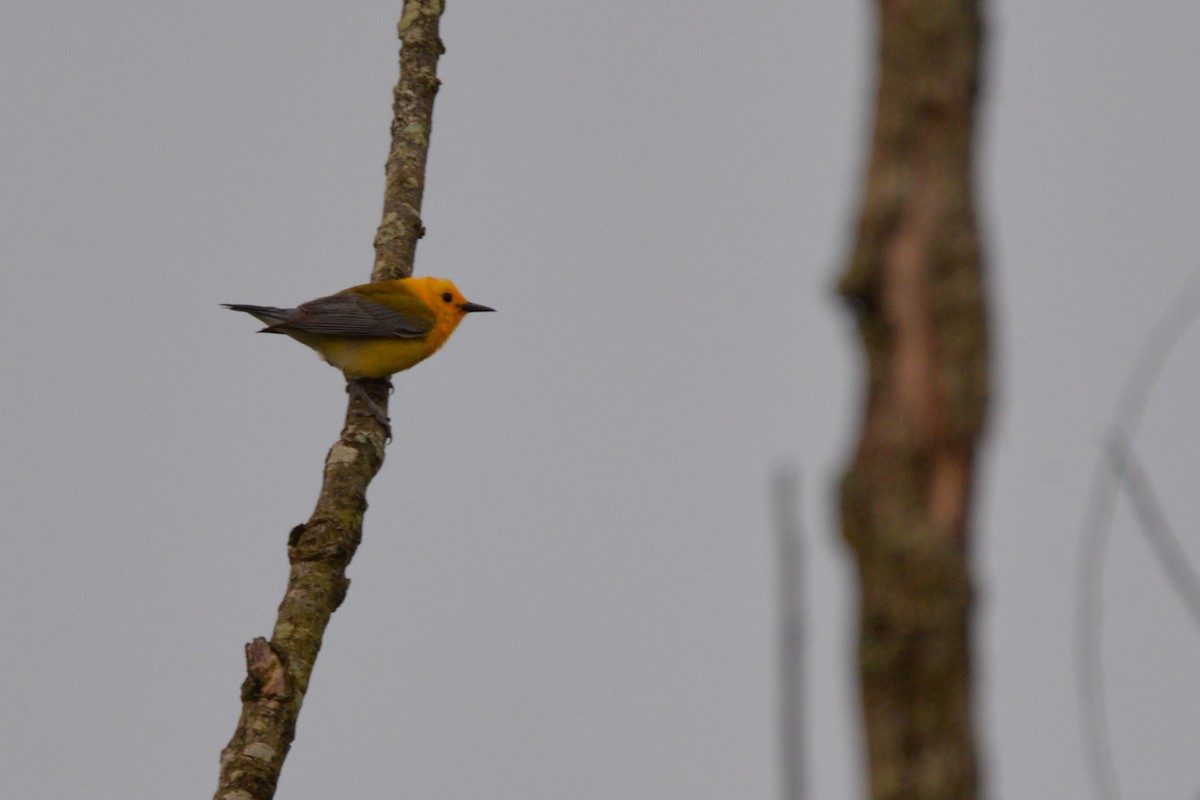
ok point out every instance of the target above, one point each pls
(914, 280)
(412, 122)
(278, 671)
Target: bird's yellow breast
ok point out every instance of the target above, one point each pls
(378, 358)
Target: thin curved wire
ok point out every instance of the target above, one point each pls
(1097, 524)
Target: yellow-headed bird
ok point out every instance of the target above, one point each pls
(374, 330)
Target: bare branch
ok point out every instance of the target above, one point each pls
(915, 281)
(278, 671)
(412, 123)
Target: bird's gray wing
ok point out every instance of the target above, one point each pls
(352, 316)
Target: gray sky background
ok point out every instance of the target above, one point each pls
(566, 588)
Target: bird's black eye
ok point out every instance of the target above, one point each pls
(447, 297)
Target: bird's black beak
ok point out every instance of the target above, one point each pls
(469, 307)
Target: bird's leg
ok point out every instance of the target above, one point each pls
(354, 387)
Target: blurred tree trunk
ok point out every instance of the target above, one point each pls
(914, 280)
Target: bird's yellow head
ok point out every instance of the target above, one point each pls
(443, 297)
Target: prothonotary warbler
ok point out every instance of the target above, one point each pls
(375, 330)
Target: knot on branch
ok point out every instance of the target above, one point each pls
(295, 534)
(322, 539)
(422, 83)
(266, 674)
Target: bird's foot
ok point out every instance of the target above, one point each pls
(354, 387)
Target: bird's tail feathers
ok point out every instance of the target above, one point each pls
(266, 314)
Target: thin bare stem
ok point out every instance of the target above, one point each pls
(785, 503)
(1166, 546)
(1097, 524)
